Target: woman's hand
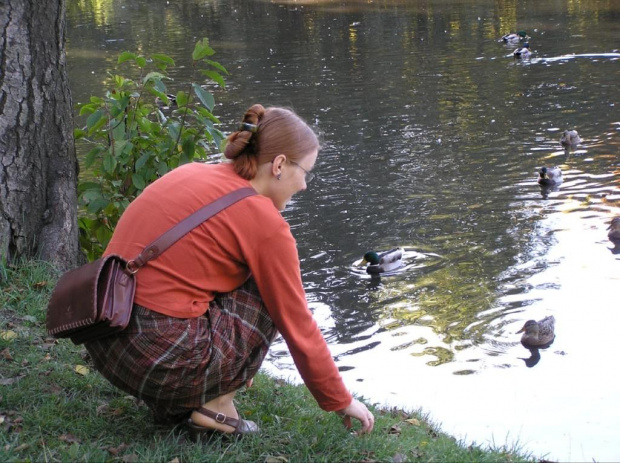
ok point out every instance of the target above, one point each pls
(358, 411)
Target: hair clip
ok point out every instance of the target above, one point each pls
(247, 127)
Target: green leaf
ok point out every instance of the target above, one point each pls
(85, 186)
(216, 77)
(92, 195)
(88, 108)
(162, 168)
(126, 56)
(138, 181)
(103, 235)
(160, 86)
(142, 161)
(92, 156)
(163, 59)
(79, 133)
(109, 163)
(182, 99)
(153, 76)
(96, 205)
(93, 119)
(141, 61)
(202, 50)
(119, 145)
(189, 147)
(205, 97)
(217, 65)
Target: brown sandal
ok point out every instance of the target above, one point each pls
(241, 426)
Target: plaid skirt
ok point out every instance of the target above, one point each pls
(175, 365)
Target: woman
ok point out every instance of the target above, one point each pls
(208, 308)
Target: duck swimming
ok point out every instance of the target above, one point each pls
(382, 262)
(514, 38)
(538, 333)
(550, 176)
(523, 52)
(614, 231)
(570, 138)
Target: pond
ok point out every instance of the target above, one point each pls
(432, 139)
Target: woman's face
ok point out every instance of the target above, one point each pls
(292, 178)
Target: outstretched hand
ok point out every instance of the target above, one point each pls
(358, 411)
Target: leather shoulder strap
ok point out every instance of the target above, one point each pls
(153, 250)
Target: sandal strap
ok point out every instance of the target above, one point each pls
(219, 417)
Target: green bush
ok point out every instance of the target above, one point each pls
(139, 132)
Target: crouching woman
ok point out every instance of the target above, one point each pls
(207, 309)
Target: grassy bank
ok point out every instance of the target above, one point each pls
(55, 407)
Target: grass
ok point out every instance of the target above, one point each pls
(51, 411)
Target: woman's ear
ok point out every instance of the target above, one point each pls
(277, 164)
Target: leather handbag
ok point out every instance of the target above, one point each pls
(96, 300)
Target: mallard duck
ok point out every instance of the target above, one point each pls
(570, 138)
(514, 37)
(522, 52)
(614, 230)
(171, 104)
(550, 176)
(383, 262)
(538, 333)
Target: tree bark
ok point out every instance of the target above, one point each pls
(38, 163)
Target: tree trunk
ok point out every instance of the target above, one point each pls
(38, 163)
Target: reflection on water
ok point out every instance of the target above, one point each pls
(433, 137)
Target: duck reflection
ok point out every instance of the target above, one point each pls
(533, 359)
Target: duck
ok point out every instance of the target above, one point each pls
(382, 262)
(538, 333)
(550, 176)
(614, 230)
(570, 138)
(171, 104)
(514, 37)
(522, 52)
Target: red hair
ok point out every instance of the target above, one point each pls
(266, 133)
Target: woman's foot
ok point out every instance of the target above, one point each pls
(240, 427)
(222, 406)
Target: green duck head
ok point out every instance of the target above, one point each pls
(371, 257)
(522, 34)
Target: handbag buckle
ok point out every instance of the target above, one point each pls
(220, 418)
(132, 267)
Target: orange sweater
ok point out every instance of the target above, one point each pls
(218, 256)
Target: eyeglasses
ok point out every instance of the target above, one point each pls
(309, 175)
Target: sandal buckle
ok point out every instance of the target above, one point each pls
(220, 418)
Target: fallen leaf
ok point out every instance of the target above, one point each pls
(279, 459)
(394, 429)
(116, 450)
(400, 458)
(6, 355)
(8, 335)
(102, 409)
(19, 448)
(174, 460)
(81, 370)
(69, 439)
(413, 421)
(40, 284)
(131, 458)
(9, 381)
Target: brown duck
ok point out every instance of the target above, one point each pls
(538, 333)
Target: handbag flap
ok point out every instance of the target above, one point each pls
(74, 301)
